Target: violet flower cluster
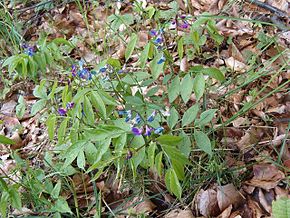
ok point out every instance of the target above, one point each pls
(81, 71)
(158, 40)
(144, 130)
(183, 23)
(63, 111)
(29, 50)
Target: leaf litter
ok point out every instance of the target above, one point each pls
(255, 135)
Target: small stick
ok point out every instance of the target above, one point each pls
(270, 8)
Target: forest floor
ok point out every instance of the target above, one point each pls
(228, 58)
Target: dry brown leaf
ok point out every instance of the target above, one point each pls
(145, 206)
(226, 213)
(263, 201)
(178, 213)
(207, 203)
(266, 176)
(235, 65)
(228, 195)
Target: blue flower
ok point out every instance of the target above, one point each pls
(81, 64)
(137, 131)
(158, 40)
(122, 112)
(30, 51)
(158, 130)
(153, 32)
(152, 116)
(103, 69)
(85, 74)
(62, 111)
(148, 131)
(129, 116)
(161, 60)
(138, 119)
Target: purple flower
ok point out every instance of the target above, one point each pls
(153, 32)
(62, 111)
(70, 105)
(158, 130)
(148, 131)
(161, 60)
(185, 25)
(129, 155)
(152, 116)
(30, 51)
(73, 70)
(137, 131)
(85, 74)
(183, 16)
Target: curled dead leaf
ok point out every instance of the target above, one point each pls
(207, 203)
(266, 176)
(228, 195)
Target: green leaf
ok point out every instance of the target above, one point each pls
(158, 163)
(180, 49)
(61, 131)
(174, 154)
(59, 41)
(103, 147)
(281, 208)
(131, 45)
(15, 198)
(53, 89)
(144, 55)
(156, 69)
(103, 132)
(151, 154)
(40, 90)
(56, 190)
(88, 111)
(114, 63)
(61, 206)
(38, 106)
(198, 86)
(98, 103)
(172, 183)
(173, 118)
(20, 108)
(186, 87)
(203, 142)
(51, 123)
(72, 152)
(169, 139)
(214, 73)
(190, 115)
(205, 117)
(174, 89)
(4, 203)
(6, 141)
(81, 160)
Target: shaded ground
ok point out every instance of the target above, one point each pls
(250, 168)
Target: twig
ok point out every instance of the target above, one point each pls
(270, 8)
